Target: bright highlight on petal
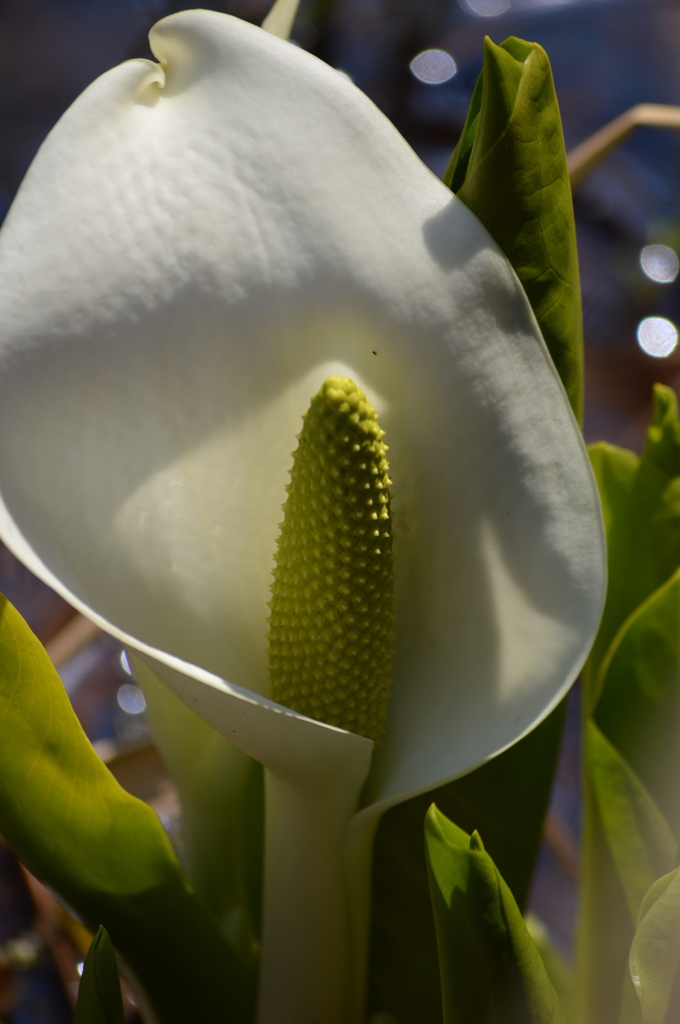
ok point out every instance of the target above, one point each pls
(198, 246)
(236, 228)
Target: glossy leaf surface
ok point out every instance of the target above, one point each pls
(641, 508)
(632, 824)
(101, 849)
(560, 971)
(653, 994)
(639, 705)
(631, 761)
(513, 121)
(492, 972)
(510, 170)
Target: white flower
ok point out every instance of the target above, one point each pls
(197, 246)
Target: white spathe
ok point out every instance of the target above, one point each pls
(198, 244)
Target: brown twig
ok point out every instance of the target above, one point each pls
(69, 641)
(589, 153)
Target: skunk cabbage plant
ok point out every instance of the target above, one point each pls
(201, 243)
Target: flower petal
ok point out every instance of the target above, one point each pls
(197, 246)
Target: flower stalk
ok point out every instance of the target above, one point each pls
(330, 648)
(200, 243)
(307, 969)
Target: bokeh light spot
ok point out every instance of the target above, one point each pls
(660, 263)
(131, 699)
(433, 67)
(657, 336)
(486, 8)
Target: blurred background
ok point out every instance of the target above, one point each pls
(418, 60)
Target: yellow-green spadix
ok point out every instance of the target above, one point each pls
(331, 622)
(199, 244)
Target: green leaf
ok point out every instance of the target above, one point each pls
(491, 971)
(513, 787)
(641, 507)
(653, 996)
(456, 172)
(221, 792)
(631, 819)
(639, 705)
(627, 844)
(641, 843)
(559, 970)
(99, 996)
(510, 169)
(104, 851)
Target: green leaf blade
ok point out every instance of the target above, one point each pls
(510, 170)
(101, 849)
(632, 819)
(653, 997)
(639, 704)
(99, 996)
(641, 843)
(641, 507)
(492, 973)
(404, 975)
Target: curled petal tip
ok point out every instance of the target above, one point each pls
(182, 276)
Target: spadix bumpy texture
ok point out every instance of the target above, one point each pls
(197, 246)
(331, 623)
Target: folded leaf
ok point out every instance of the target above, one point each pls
(101, 849)
(513, 110)
(641, 507)
(559, 970)
(641, 843)
(653, 997)
(492, 973)
(631, 819)
(505, 800)
(510, 169)
(628, 843)
(639, 705)
(99, 996)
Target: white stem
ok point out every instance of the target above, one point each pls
(309, 972)
(317, 849)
